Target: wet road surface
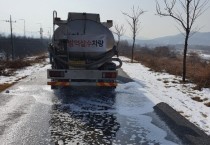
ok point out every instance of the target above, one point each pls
(33, 114)
(102, 116)
(25, 112)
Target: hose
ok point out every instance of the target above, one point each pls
(107, 57)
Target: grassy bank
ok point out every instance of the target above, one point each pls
(162, 59)
(8, 68)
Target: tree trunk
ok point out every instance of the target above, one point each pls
(185, 57)
(118, 41)
(118, 46)
(7, 54)
(132, 50)
(134, 38)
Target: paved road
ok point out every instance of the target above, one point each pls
(25, 112)
(33, 114)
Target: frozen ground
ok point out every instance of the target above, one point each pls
(162, 87)
(205, 56)
(22, 73)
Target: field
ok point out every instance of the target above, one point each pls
(162, 59)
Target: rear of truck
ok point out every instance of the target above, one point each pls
(82, 52)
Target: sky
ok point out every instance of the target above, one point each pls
(38, 13)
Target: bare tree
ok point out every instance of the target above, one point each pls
(185, 17)
(134, 24)
(119, 31)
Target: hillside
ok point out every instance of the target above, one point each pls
(199, 38)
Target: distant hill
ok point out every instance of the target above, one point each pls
(199, 38)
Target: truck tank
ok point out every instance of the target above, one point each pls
(87, 36)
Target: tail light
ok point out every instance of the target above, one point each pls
(109, 74)
(56, 73)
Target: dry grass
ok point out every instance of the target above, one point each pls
(205, 99)
(204, 115)
(39, 59)
(166, 82)
(5, 86)
(8, 67)
(207, 104)
(17, 64)
(198, 99)
(198, 71)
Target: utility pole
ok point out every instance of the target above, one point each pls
(41, 30)
(24, 27)
(49, 32)
(12, 43)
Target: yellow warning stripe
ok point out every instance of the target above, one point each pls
(58, 83)
(103, 84)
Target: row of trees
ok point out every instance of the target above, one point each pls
(184, 12)
(23, 46)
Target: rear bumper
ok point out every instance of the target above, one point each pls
(68, 84)
(65, 78)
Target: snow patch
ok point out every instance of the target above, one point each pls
(163, 87)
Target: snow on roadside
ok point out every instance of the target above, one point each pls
(24, 72)
(205, 56)
(162, 87)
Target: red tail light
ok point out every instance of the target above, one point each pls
(56, 73)
(109, 74)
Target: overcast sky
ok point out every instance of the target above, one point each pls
(39, 13)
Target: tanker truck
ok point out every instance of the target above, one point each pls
(82, 52)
